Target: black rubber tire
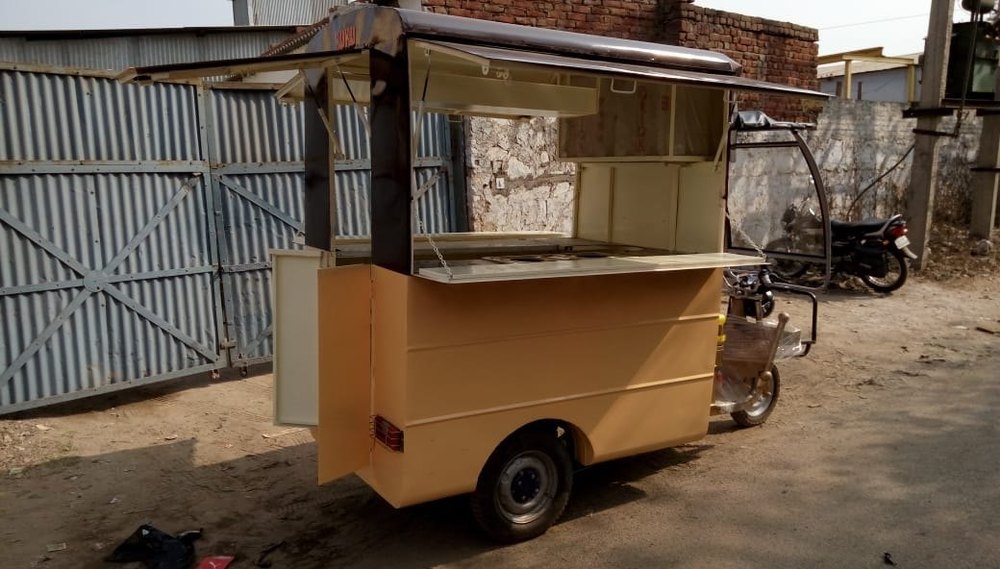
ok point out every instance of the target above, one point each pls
(894, 285)
(486, 501)
(766, 306)
(748, 419)
(785, 269)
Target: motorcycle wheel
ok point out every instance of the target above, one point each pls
(895, 276)
(785, 269)
(763, 405)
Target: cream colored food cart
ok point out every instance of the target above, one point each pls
(493, 364)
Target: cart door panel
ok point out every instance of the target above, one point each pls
(293, 287)
(344, 370)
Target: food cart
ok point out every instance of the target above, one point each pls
(494, 364)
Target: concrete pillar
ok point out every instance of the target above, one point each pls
(920, 202)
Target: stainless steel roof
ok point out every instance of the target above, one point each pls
(483, 32)
(382, 26)
(640, 72)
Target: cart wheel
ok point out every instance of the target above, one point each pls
(766, 399)
(524, 486)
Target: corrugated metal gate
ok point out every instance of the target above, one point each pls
(135, 224)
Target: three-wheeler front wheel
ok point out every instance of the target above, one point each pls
(524, 487)
(764, 401)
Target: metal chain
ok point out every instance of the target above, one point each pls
(743, 234)
(417, 192)
(420, 227)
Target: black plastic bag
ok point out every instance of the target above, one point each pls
(157, 549)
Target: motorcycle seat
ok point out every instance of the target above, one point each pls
(856, 228)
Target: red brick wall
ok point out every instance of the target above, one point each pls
(633, 19)
(769, 50)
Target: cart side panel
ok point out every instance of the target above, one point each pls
(389, 379)
(627, 359)
(344, 315)
(296, 372)
(644, 205)
(629, 203)
(701, 207)
(445, 458)
(446, 315)
(593, 202)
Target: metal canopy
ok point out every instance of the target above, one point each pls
(367, 27)
(243, 66)
(483, 55)
(492, 56)
(440, 27)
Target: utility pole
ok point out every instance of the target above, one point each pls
(923, 174)
(985, 174)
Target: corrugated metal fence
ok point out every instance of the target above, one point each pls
(119, 49)
(135, 224)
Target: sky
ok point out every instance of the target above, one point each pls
(844, 25)
(897, 25)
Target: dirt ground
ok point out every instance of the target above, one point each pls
(885, 440)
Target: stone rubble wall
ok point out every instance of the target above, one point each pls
(516, 182)
(854, 142)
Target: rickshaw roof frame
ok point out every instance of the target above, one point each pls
(384, 32)
(797, 141)
(361, 27)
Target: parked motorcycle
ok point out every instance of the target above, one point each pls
(876, 250)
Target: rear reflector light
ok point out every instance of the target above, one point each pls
(898, 231)
(388, 434)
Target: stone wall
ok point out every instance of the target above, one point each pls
(854, 143)
(515, 181)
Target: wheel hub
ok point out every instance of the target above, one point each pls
(762, 397)
(527, 486)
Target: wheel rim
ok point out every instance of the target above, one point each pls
(762, 398)
(893, 271)
(527, 486)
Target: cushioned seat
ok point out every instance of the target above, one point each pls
(858, 228)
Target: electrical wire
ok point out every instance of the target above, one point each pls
(894, 19)
(879, 179)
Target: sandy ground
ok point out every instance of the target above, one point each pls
(885, 440)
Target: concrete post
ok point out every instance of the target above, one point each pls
(985, 181)
(923, 174)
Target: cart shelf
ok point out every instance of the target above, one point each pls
(474, 273)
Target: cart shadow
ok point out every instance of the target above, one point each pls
(609, 485)
(247, 504)
(138, 393)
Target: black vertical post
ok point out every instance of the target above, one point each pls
(317, 166)
(459, 177)
(391, 159)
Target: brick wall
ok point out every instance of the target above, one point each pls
(635, 19)
(768, 50)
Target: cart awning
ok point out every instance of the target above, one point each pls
(486, 56)
(490, 57)
(242, 66)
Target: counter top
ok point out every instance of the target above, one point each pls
(473, 273)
